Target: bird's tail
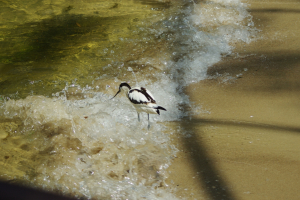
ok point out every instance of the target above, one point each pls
(160, 108)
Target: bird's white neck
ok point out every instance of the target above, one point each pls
(125, 89)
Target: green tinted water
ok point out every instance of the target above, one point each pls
(45, 45)
(79, 143)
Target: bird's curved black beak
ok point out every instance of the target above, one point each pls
(116, 94)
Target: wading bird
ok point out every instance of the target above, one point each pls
(142, 100)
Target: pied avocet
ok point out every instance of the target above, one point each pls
(142, 100)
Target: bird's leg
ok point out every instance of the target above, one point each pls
(139, 117)
(148, 122)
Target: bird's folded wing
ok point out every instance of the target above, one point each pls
(137, 97)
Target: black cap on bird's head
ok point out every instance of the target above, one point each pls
(124, 85)
(120, 88)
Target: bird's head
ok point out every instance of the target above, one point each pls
(123, 87)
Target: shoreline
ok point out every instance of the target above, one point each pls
(246, 144)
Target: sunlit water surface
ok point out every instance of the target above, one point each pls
(61, 61)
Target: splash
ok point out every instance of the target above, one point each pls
(81, 144)
(91, 147)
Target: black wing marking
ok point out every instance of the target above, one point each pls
(159, 108)
(137, 96)
(149, 97)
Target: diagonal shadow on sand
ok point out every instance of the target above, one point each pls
(210, 177)
(215, 185)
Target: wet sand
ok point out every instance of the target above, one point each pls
(246, 143)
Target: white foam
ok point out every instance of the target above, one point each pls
(113, 153)
(96, 147)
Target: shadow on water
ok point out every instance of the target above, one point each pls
(50, 38)
(11, 192)
(155, 4)
(40, 50)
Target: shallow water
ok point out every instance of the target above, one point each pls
(61, 62)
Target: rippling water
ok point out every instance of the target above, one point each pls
(61, 61)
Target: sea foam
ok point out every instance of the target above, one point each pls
(94, 147)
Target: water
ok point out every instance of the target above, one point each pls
(61, 62)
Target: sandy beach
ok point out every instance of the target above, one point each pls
(246, 143)
(241, 143)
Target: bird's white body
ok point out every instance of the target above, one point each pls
(142, 100)
(149, 108)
